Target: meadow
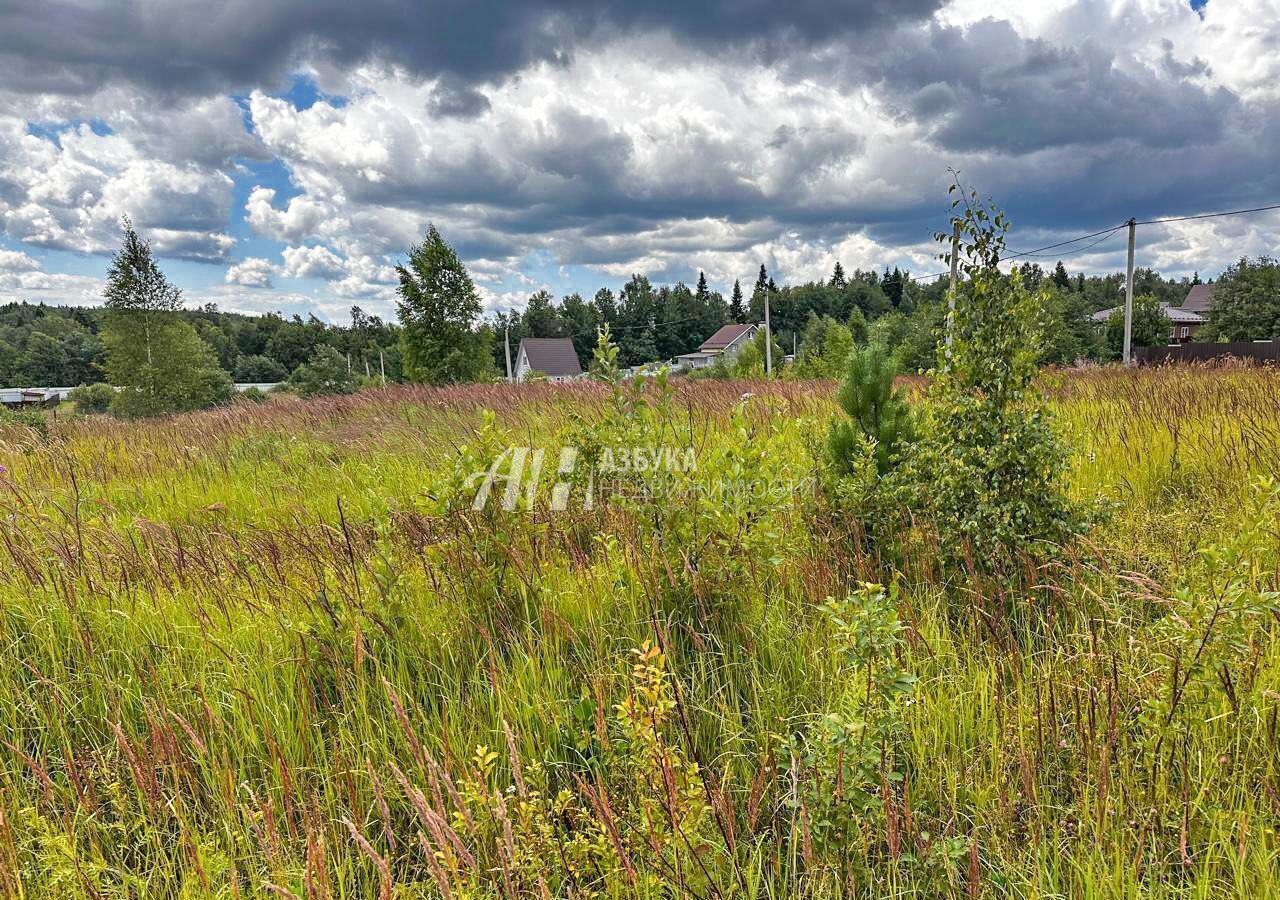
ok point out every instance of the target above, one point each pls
(273, 651)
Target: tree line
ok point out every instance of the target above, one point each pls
(143, 340)
(62, 346)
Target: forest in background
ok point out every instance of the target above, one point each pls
(43, 345)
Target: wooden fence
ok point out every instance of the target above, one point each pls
(1258, 351)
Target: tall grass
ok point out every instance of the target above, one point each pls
(269, 651)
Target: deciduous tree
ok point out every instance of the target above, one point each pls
(1246, 301)
(156, 358)
(439, 308)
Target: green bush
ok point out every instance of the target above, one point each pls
(259, 369)
(1151, 325)
(824, 348)
(251, 395)
(750, 361)
(604, 361)
(93, 399)
(326, 372)
(990, 469)
(24, 418)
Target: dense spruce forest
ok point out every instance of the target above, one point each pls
(56, 345)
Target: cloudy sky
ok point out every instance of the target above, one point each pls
(283, 154)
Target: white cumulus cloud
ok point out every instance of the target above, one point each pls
(252, 272)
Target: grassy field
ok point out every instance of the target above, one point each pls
(273, 651)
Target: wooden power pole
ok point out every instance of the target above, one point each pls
(1128, 298)
(506, 346)
(768, 338)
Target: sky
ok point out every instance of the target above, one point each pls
(285, 154)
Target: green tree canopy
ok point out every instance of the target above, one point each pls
(1151, 326)
(439, 308)
(155, 357)
(824, 348)
(737, 311)
(1246, 301)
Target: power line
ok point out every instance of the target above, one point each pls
(1088, 246)
(614, 329)
(1104, 233)
(1083, 237)
(1107, 232)
(1234, 212)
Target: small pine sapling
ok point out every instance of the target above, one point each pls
(879, 414)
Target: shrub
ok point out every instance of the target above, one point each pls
(1151, 325)
(93, 399)
(717, 371)
(750, 361)
(259, 370)
(990, 468)
(604, 361)
(857, 325)
(858, 745)
(824, 349)
(24, 418)
(251, 395)
(326, 372)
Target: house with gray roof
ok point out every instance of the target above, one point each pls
(1185, 322)
(551, 358)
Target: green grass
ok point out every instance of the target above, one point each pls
(225, 635)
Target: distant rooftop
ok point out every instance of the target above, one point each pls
(1199, 299)
(551, 356)
(1177, 315)
(724, 337)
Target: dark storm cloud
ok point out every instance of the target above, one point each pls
(576, 145)
(1071, 191)
(195, 46)
(579, 174)
(455, 99)
(987, 88)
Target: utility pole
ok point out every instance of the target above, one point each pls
(382, 367)
(955, 278)
(768, 338)
(1128, 298)
(506, 346)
